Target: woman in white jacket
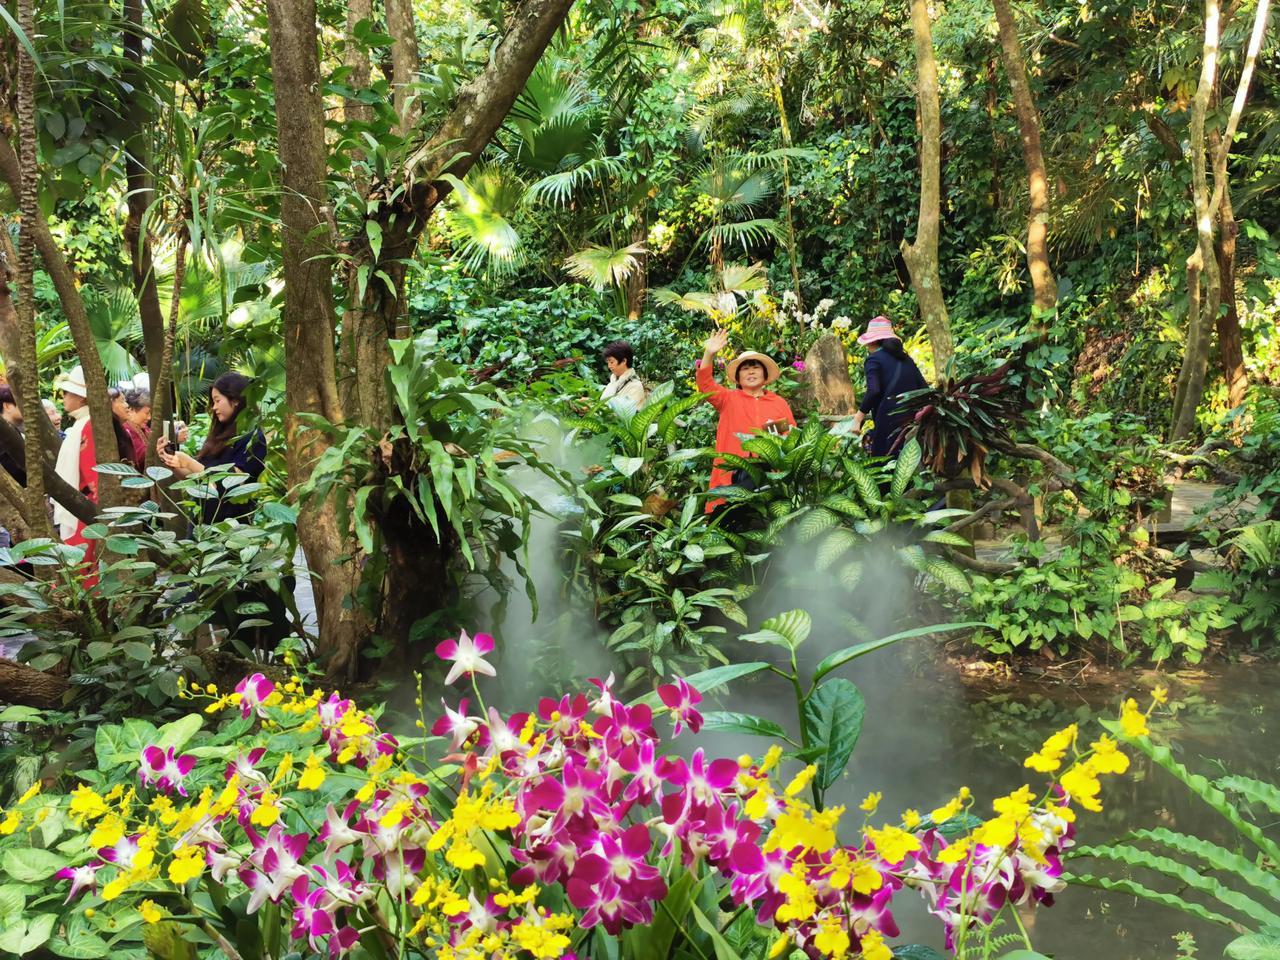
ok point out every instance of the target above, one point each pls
(624, 383)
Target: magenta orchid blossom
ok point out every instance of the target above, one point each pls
(163, 770)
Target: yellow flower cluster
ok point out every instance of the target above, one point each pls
(10, 821)
(472, 813)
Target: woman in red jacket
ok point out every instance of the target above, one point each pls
(744, 410)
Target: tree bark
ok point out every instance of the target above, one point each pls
(64, 281)
(1043, 284)
(1204, 259)
(404, 62)
(1230, 344)
(31, 687)
(161, 386)
(921, 256)
(310, 370)
(376, 307)
(140, 195)
(29, 203)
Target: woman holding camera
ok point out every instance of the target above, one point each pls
(225, 446)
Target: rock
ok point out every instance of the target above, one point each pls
(826, 368)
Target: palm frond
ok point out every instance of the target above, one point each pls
(604, 267)
(480, 214)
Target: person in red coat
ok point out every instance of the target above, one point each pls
(744, 409)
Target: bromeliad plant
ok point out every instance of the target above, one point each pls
(815, 483)
(570, 831)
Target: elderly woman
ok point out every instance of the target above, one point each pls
(743, 411)
(890, 373)
(624, 383)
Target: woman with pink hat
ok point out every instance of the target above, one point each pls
(890, 373)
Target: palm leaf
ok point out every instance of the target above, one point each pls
(604, 267)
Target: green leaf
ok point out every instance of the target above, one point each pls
(1188, 878)
(707, 680)
(137, 650)
(12, 900)
(788, 629)
(21, 714)
(1024, 955)
(1255, 946)
(1253, 791)
(1219, 858)
(947, 574)
(655, 938)
(724, 951)
(1136, 889)
(627, 466)
(30, 864)
(1200, 786)
(904, 470)
(833, 716)
(177, 733)
(840, 657)
(117, 469)
(916, 951)
(730, 722)
(80, 944)
(114, 745)
(373, 230)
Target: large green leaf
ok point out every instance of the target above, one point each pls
(788, 629)
(1255, 946)
(905, 469)
(1187, 877)
(31, 864)
(654, 939)
(28, 934)
(833, 716)
(707, 680)
(722, 947)
(177, 733)
(730, 722)
(839, 658)
(114, 745)
(916, 951)
(1136, 889)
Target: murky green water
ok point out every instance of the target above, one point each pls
(928, 731)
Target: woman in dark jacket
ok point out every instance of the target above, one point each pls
(225, 446)
(890, 373)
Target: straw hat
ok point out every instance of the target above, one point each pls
(73, 382)
(771, 371)
(878, 329)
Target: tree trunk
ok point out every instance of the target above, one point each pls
(30, 687)
(1230, 346)
(1201, 309)
(1196, 356)
(921, 256)
(793, 251)
(1042, 281)
(29, 203)
(404, 62)
(64, 281)
(139, 195)
(311, 385)
(162, 386)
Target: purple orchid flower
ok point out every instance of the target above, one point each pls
(682, 700)
(82, 878)
(163, 770)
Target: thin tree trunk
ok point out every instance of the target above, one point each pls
(140, 194)
(404, 62)
(311, 386)
(793, 251)
(1043, 284)
(921, 256)
(1196, 358)
(1230, 346)
(1201, 309)
(356, 60)
(64, 281)
(29, 203)
(161, 387)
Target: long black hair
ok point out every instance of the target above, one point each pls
(231, 385)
